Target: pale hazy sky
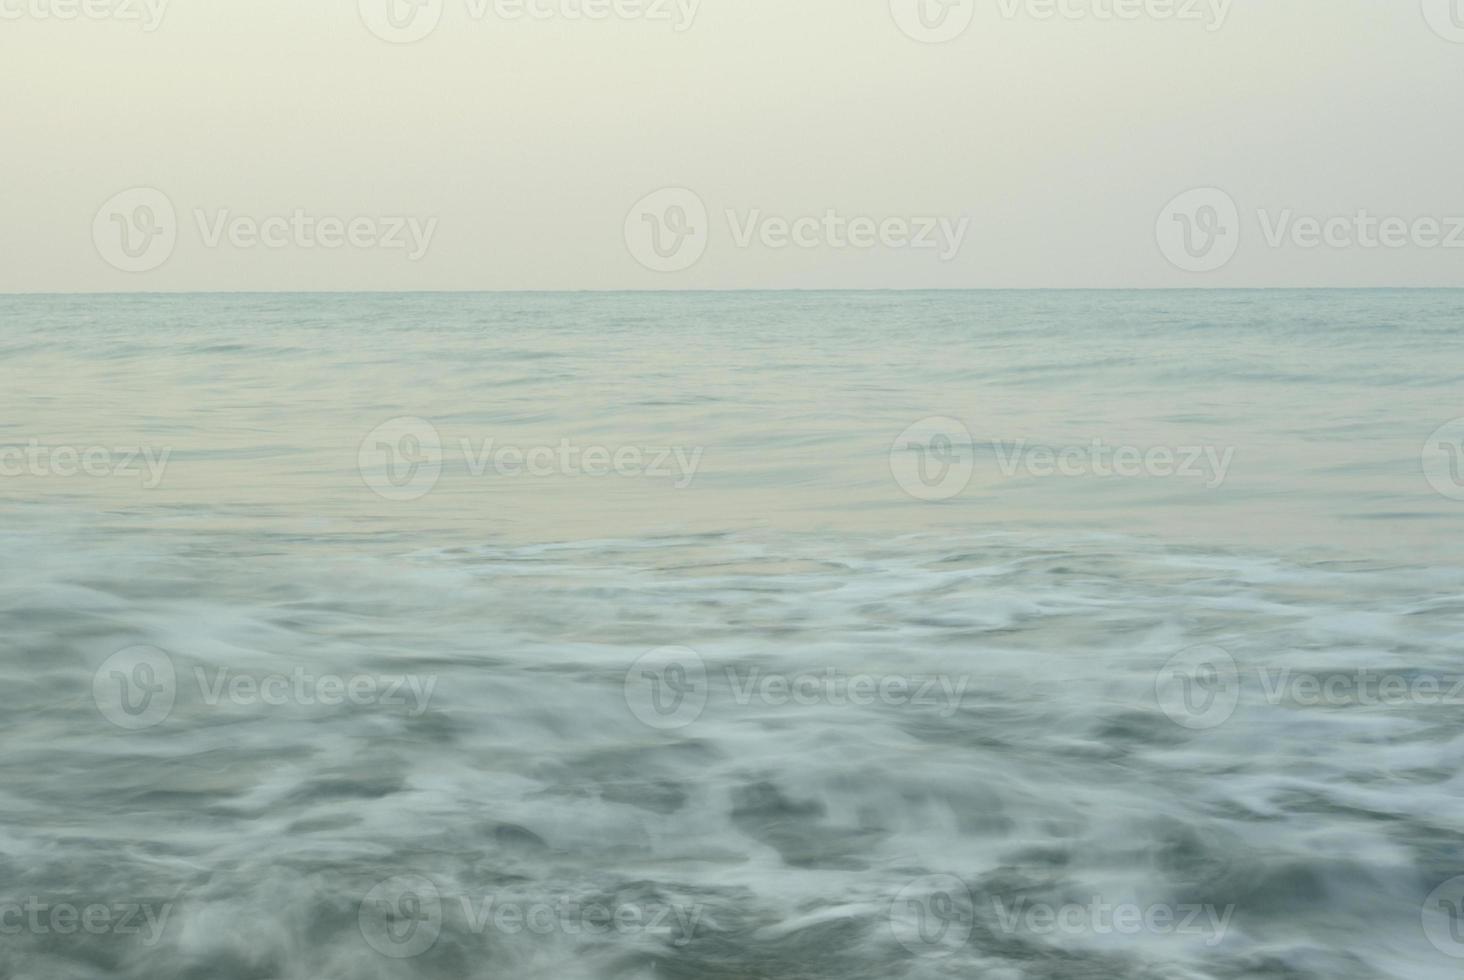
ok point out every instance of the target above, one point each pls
(508, 151)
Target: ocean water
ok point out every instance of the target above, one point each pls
(738, 636)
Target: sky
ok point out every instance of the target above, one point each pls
(181, 145)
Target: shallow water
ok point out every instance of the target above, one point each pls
(706, 676)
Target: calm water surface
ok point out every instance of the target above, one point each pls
(1030, 636)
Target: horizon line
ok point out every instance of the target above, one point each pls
(737, 289)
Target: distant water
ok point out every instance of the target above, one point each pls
(1023, 636)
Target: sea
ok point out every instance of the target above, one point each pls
(1110, 635)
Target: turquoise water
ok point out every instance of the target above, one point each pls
(732, 635)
